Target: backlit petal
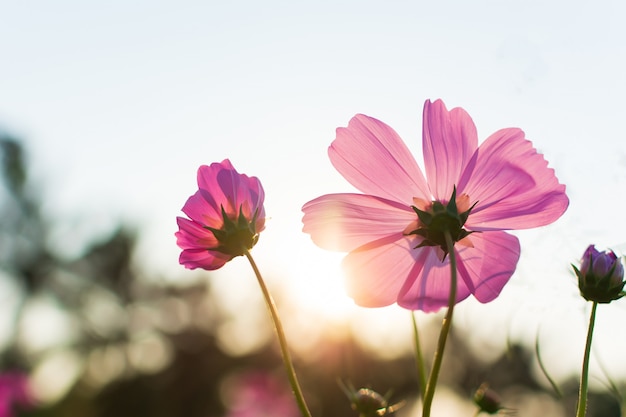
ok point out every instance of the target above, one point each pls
(202, 209)
(195, 241)
(483, 270)
(513, 185)
(427, 287)
(227, 188)
(207, 178)
(489, 265)
(198, 258)
(343, 222)
(449, 141)
(373, 158)
(376, 272)
(192, 235)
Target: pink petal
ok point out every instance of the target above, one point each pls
(199, 258)
(428, 285)
(250, 196)
(449, 141)
(203, 209)
(227, 188)
(376, 272)
(208, 180)
(192, 235)
(195, 242)
(260, 221)
(513, 185)
(344, 222)
(489, 265)
(483, 270)
(373, 158)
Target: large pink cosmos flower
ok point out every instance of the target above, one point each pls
(394, 231)
(226, 213)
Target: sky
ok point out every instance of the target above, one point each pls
(119, 102)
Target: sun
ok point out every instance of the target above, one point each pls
(319, 287)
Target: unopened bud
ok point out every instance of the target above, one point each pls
(601, 276)
(369, 403)
(487, 400)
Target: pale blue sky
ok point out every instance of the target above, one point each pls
(119, 102)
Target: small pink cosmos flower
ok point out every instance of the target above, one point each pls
(226, 215)
(258, 394)
(394, 230)
(14, 393)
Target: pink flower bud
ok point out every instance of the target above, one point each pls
(601, 276)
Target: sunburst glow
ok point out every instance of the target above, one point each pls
(320, 286)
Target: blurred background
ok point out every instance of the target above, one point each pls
(108, 109)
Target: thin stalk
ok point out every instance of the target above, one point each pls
(445, 330)
(291, 372)
(419, 357)
(555, 387)
(581, 410)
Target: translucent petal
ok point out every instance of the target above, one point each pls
(373, 158)
(489, 265)
(343, 222)
(513, 185)
(202, 209)
(376, 272)
(192, 235)
(483, 270)
(227, 188)
(449, 141)
(428, 285)
(198, 258)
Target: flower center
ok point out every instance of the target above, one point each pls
(435, 219)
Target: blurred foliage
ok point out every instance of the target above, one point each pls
(146, 348)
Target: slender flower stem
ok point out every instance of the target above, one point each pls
(555, 387)
(581, 411)
(419, 357)
(445, 330)
(291, 372)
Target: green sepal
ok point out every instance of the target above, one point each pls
(599, 289)
(234, 237)
(439, 220)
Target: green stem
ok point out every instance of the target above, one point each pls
(419, 358)
(555, 387)
(291, 372)
(581, 410)
(445, 330)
